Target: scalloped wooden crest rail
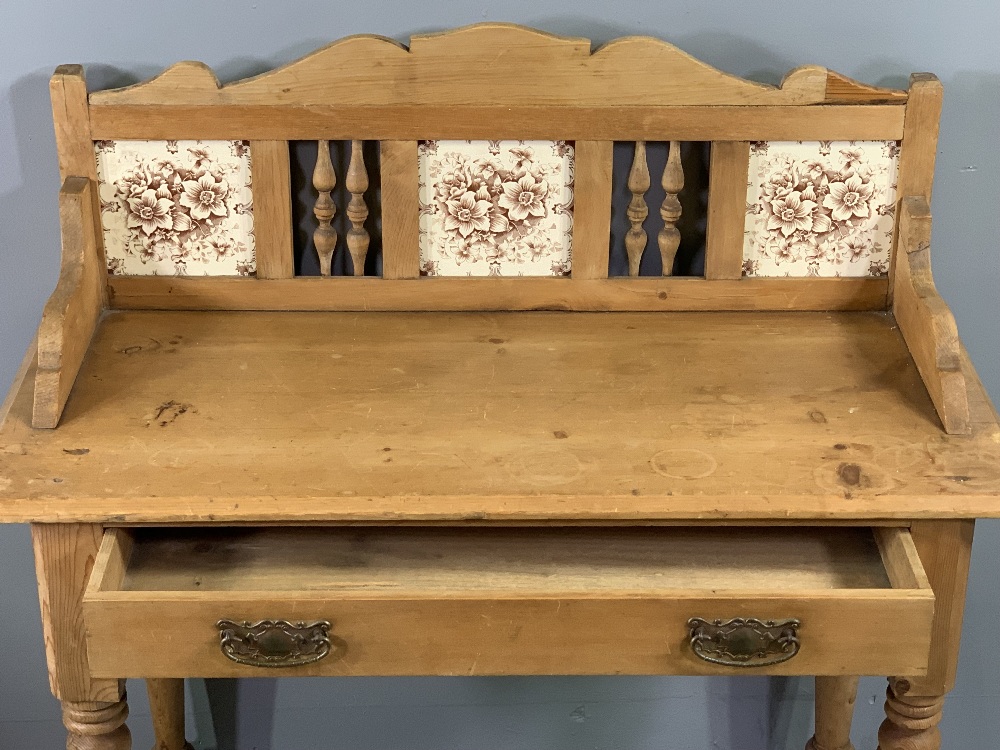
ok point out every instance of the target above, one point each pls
(486, 65)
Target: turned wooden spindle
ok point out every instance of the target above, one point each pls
(96, 726)
(357, 209)
(325, 236)
(911, 722)
(834, 712)
(669, 237)
(638, 184)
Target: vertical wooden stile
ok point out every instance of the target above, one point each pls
(64, 559)
(945, 549)
(638, 184)
(357, 209)
(669, 238)
(914, 704)
(71, 117)
(272, 209)
(918, 150)
(325, 236)
(592, 209)
(400, 210)
(727, 197)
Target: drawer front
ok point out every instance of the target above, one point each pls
(377, 630)
(467, 637)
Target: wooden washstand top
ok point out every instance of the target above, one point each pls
(513, 417)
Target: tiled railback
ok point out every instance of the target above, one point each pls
(496, 208)
(176, 207)
(820, 208)
(500, 208)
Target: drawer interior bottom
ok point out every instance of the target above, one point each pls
(490, 560)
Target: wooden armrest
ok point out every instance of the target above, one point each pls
(927, 325)
(74, 309)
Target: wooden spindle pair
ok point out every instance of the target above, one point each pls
(325, 236)
(669, 238)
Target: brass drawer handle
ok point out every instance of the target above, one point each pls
(274, 643)
(744, 642)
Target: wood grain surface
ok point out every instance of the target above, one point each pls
(496, 416)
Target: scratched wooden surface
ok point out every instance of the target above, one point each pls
(194, 416)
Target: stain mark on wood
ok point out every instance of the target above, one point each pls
(817, 416)
(76, 451)
(560, 434)
(152, 346)
(683, 463)
(545, 467)
(849, 477)
(850, 474)
(168, 412)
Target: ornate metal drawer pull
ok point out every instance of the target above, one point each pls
(744, 642)
(274, 643)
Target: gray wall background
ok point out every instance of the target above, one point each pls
(121, 41)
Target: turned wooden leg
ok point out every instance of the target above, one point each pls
(834, 712)
(166, 703)
(96, 726)
(911, 721)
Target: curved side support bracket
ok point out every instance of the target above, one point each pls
(73, 311)
(927, 325)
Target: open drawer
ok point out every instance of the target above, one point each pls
(172, 602)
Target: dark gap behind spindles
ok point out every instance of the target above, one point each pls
(302, 161)
(690, 260)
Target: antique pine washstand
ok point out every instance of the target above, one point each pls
(235, 470)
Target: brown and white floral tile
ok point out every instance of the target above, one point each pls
(820, 208)
(496, 208)
(174, 208)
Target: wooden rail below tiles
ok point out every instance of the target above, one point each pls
(372, 293)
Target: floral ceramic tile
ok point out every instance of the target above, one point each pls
(820, 208)
(496, 208)
(175, 208)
